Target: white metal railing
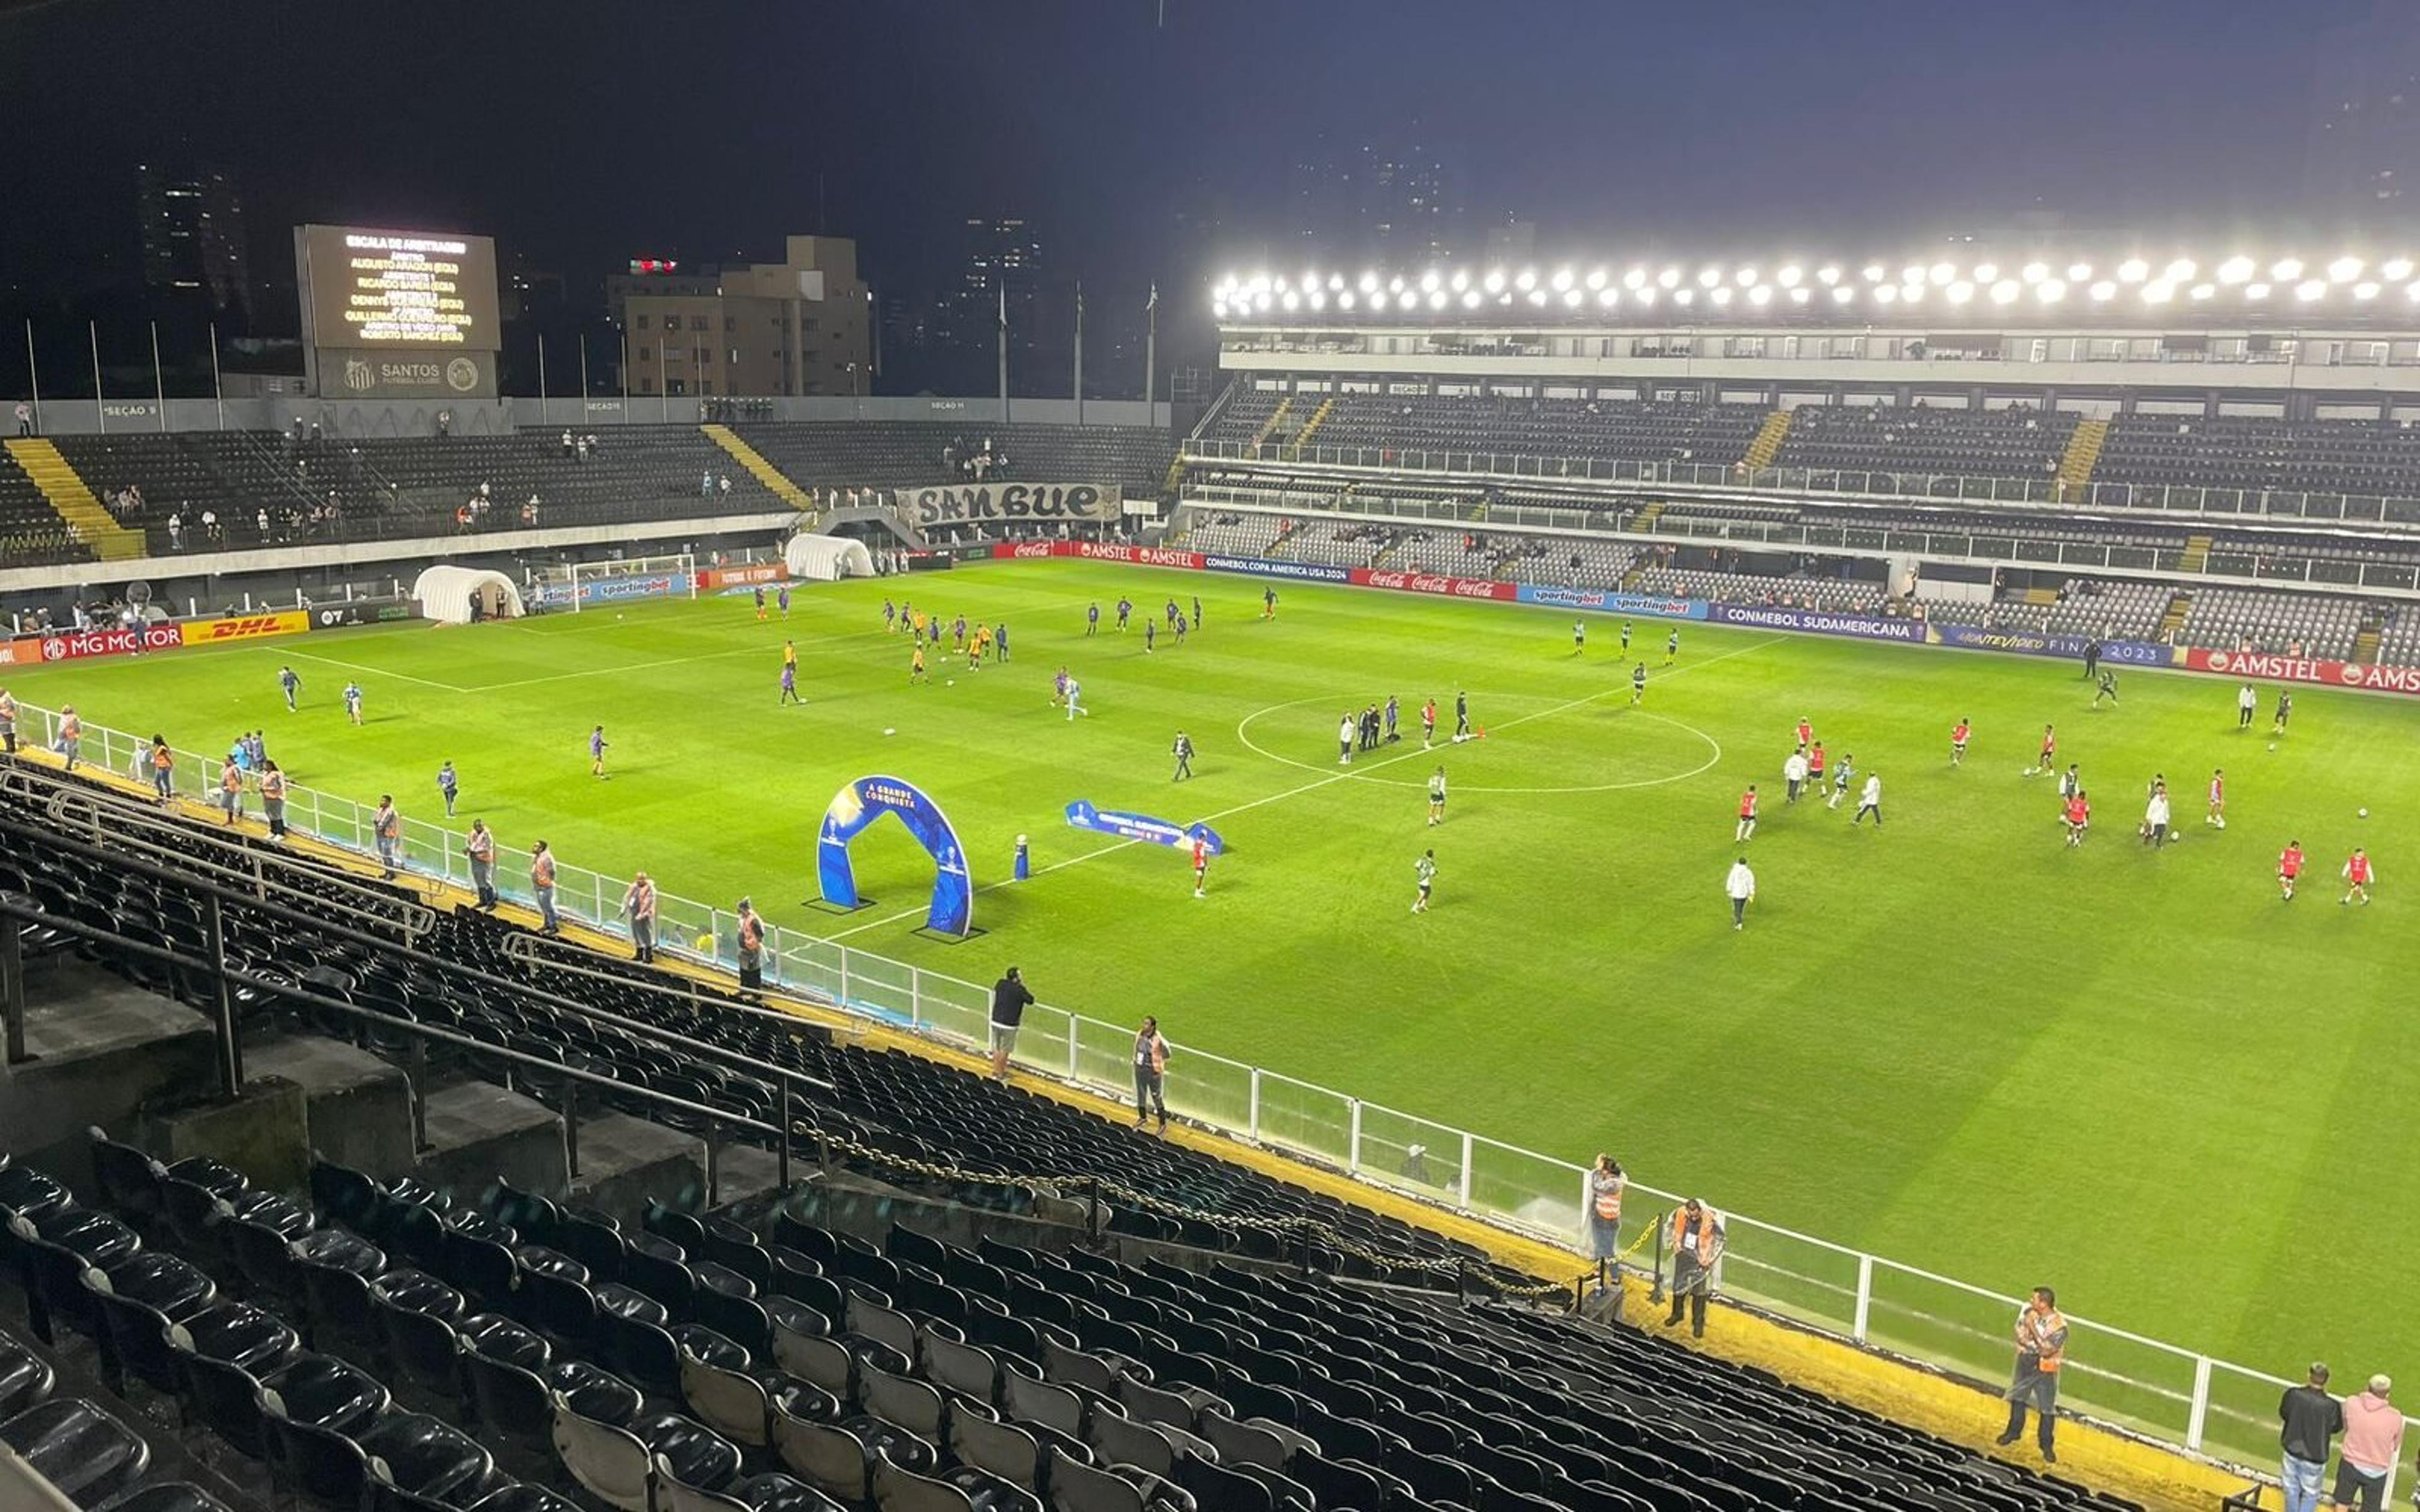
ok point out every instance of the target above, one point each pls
(1911, 483)
(2160, 1391)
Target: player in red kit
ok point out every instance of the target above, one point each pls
(2216, 818)
(1805, 732)
(2358, 875)
(1201, 864)
(2290, 868)
(1958, 738)
(1815, 760)
(2079, 815)
(1747, 814)
(2049, 753)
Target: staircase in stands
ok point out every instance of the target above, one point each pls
(1769, 436)
(1302, 436)
(763, 470)
(74, 502)
(2083, 451)
(2174, 619)
(1643, 523)
(2365, 643)
(1269, 427)
(2196, 554)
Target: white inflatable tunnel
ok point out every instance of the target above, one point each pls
(826, 558)
(447, 593)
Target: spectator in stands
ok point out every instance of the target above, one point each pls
(723, 483)
(570, 450)
(752, 948)
(175, 531)
(706, 484)
(640, 904)
(210, 533)
(24, 418)
(2041, 1350)
(1696, 1242)
(2312, 1419)
(2373, 1436)
(529, 511)
(587, 444)
(1010, 997)
(445, 423)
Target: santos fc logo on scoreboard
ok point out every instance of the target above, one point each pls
(369, 375)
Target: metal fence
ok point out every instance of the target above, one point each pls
(2155, 499)
(2158, 1390)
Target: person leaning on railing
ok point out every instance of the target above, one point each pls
(2041, 1350)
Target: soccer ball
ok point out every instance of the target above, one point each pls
(888, 732)
(2362, 813)
(2272, 744)
(953, 682)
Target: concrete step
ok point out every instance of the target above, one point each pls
(102, 1048)
(478, 1131)
(624, 1161)
(357, 1105)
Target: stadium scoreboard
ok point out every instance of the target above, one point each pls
(397, 315)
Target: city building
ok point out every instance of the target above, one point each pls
(802, 326)
(189, 219)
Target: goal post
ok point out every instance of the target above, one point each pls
(579, 585)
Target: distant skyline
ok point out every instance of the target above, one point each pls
(581, 135)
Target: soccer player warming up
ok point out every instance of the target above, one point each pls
(596, 752)
(1637, 684)
(2289, 869)
(1747, 825)
(1428, 724)
(1425, 869)
(2049, 753)
(1201, 865)
(1959, 736)
(1437, 797)
(2216, 818)
(2079, 815)
(2358, 875)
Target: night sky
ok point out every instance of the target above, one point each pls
(581, 134)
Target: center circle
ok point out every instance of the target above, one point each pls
(1530, 712)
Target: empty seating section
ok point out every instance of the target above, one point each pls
(1240, 536)
(2399, 643)
(1988, 443)
(1451, 553)
(395, 487)
(906, 453)
(2112, 611)
(2243, 618)
(1247, 410)
(2367, 457)
(31, 532)
(1613, 430)
(1336, 543)
(1831, 595)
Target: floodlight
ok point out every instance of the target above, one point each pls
(1536, 296)
(1941, 273)
(1282, 285)
(2344, 270)
(2133, 271)
(1763, 294)
(1319, 298)
(2412, 291)
(1875, 273)
(1887, 294)
(1290, 300)
(2202, 290)
(2395, 269)
(1668, 278)
(1799, 294)
(2078, 272)
(1708, 277)
(1789, 276)
(1721, 295)
(1597, 277)
(1912, 294)
(1345, 301)
(2255, 291)
(1260, 302)
(1395, 284)
(2158, 292)
(1407, 298)
(2051, 290)
(1960, 291)
(2034, 272)
(2179, 271)
(1843, 293)
(1572, 297)
(1471, 298)
(1987, 274)
(2006, 291)
(1461, 279)
(2286, 270)
(1219, 308)
(1529, 280)
(1431, 280)
(1436, 298)
(2236, 270)
(1635, 278)
(1608, 297)
(2103, 291)
(1828, 275)
(1745, 277)
(1562, 278)
(2309, 288)
(1646, 297)
(1494, 281)
(1686, 296)
(2366, 289)
(1369, 283)
(1336, 283)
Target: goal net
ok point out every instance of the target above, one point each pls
(582, 585)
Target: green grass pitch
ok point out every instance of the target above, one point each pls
(2137, 1075)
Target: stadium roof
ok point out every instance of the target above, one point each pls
(2346, 287)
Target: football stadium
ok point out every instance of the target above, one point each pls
(1610, 875)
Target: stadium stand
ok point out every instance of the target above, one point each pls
(1629, 431)
(2012, 443)
(2366, 458)
(398, 1344)
(2246, 619)
(407, 486)
(890, 454)
(1832, 596)
(31, 532)
(2085, 606)
(1243, 535)
(1337, 542)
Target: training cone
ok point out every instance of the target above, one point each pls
(1480, 732)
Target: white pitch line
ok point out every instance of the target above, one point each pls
(1307, 787)
(376, 671)
(669, 661)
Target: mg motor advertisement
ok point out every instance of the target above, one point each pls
(76, 646)
(170, 634)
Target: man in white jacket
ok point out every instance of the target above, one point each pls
(1869, 801)
(1740, 888)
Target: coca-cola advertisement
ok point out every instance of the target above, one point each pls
(1429, 583)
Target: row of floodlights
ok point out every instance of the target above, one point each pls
(1237, 296)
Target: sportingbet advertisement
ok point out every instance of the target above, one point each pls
(648, 585)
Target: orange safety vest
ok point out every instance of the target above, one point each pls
(1608, 1196)
(386, 823)
(542, 871)
(230, 777)
(163, 758)
(752, 932)
(2040, 1327)
(273, 786)
(1705, 1233)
